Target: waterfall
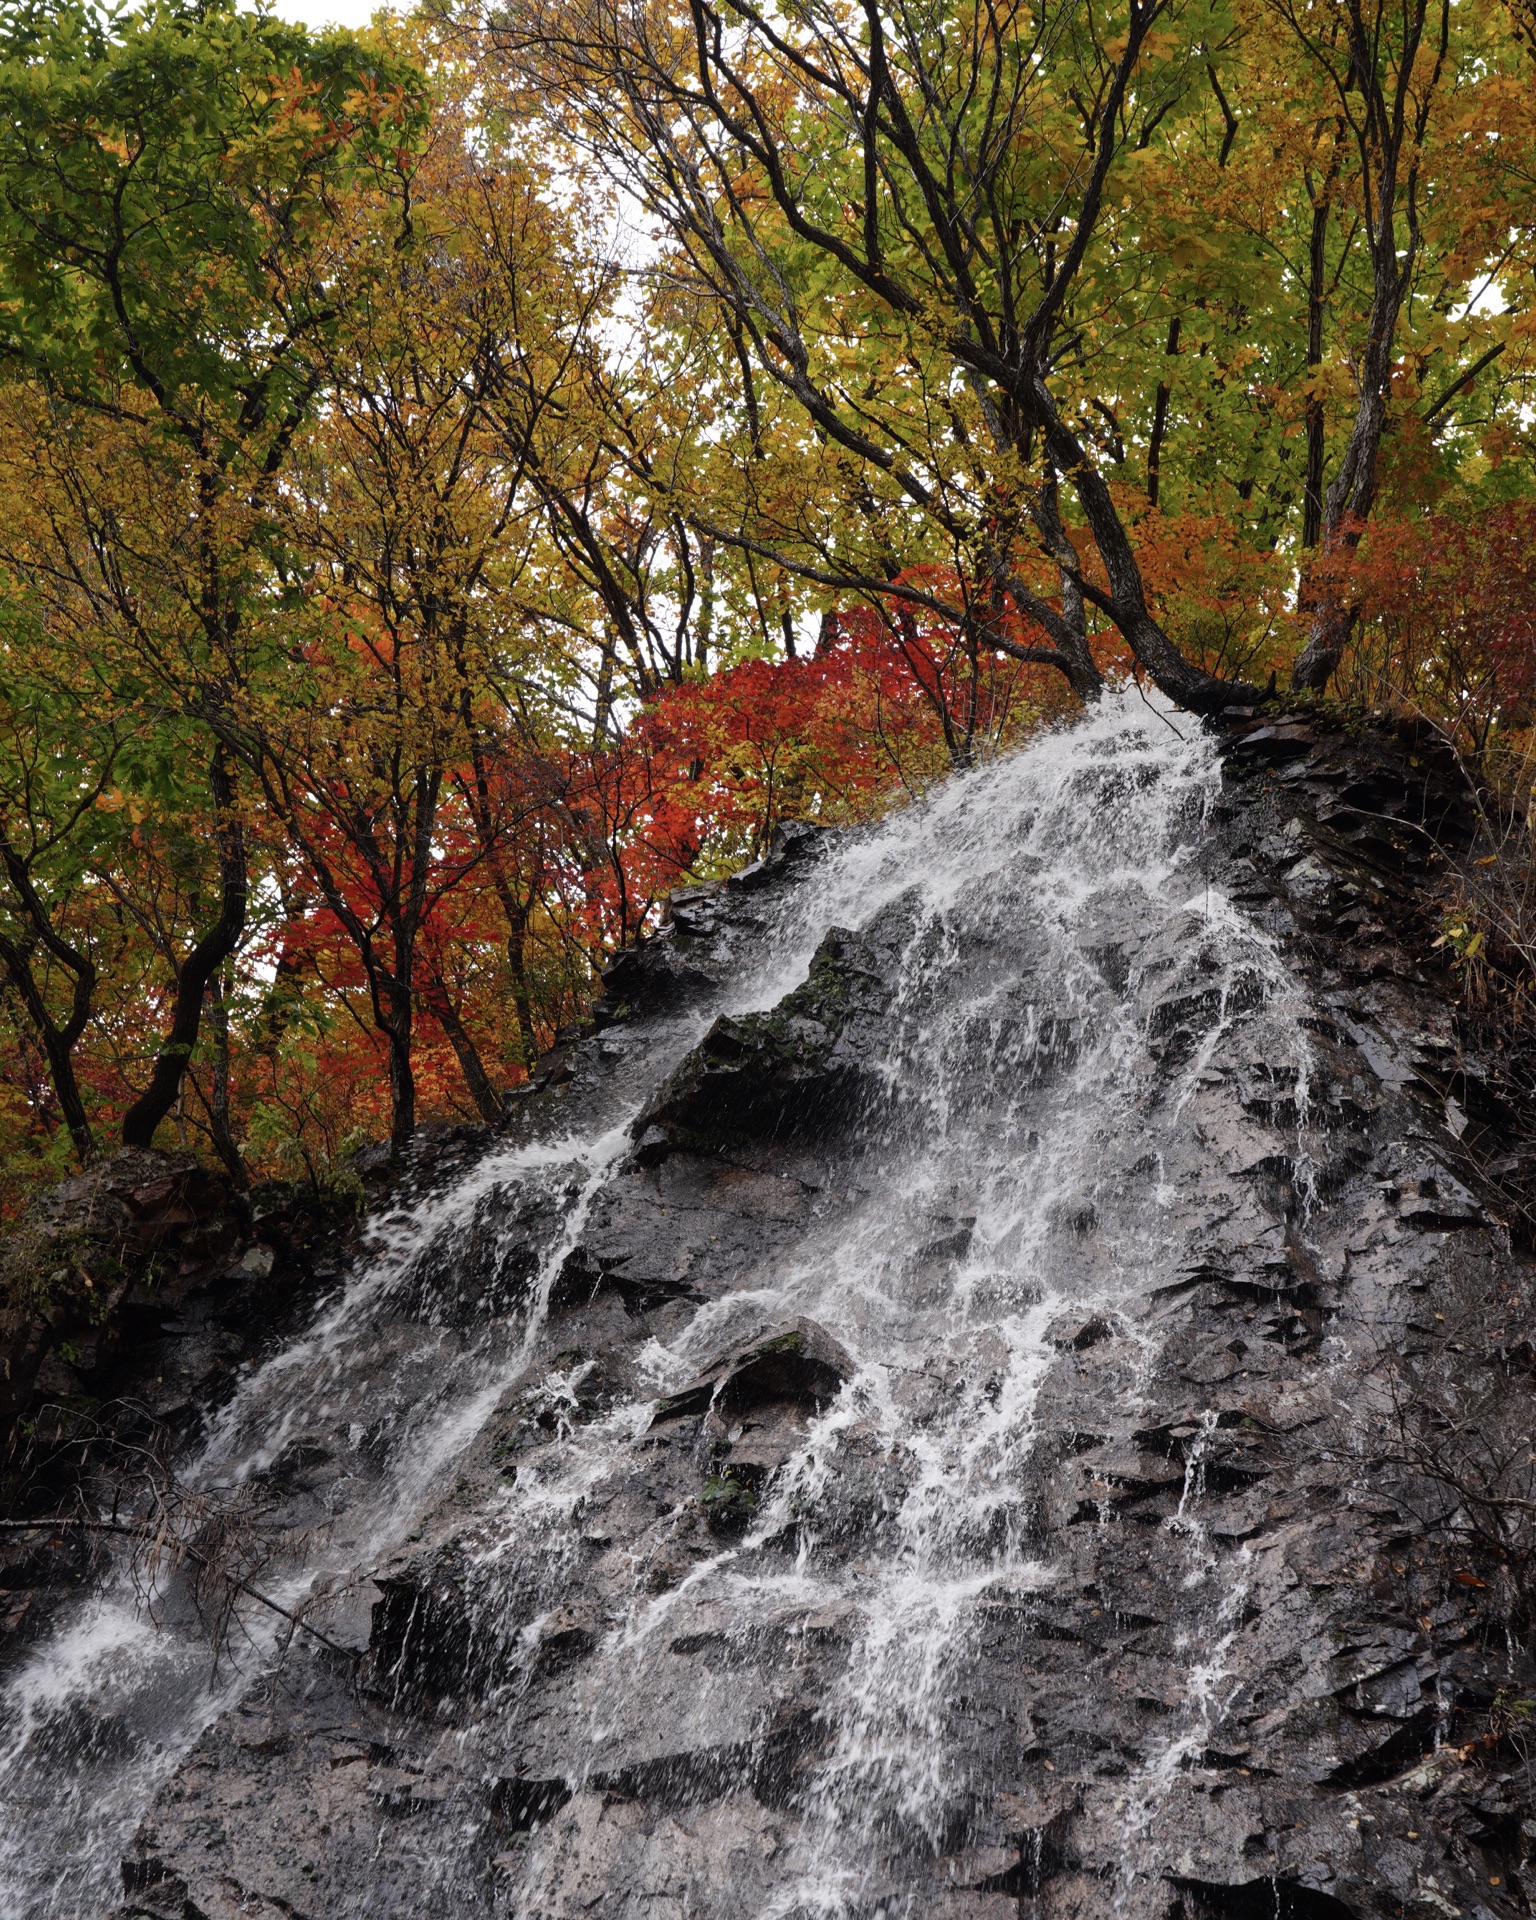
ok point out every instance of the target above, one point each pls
(1064, 986)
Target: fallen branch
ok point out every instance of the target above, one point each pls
(54, 1523)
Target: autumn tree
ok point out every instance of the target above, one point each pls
(1383, 65)
(59, 760)
(415, 515)
(165, 179)
(894, 212)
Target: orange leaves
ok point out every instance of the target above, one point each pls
(1447, 615)
(1225, 599)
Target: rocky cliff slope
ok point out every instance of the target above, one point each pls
(1023, 1407)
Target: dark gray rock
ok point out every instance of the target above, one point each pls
(1244, 1624)
(796, 1070)
(801, 1366)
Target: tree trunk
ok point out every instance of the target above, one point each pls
(476, 1079)
(402, 1077)
(1349, 500)
(199, 967)
(224, 1140)
(1312, 501)
(1160, 420)
(1190, 686)
(1388, 137)
(56, 1042)
(522, 998)
(1083, 674)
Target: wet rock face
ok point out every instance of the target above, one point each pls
(798, 1069)
(70, 1272)
(146, 1274)
(1007, 1426)
(801, 1367)
(129, 1296)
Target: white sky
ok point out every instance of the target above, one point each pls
(327, 13)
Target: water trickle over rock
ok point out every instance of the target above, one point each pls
(910, 1422)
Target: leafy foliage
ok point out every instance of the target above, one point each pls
(458, 484)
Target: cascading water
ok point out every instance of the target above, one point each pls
(1062, 988)
(111, 1704)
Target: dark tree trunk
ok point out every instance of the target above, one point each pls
(402, 1077)
(1160, 420)
(1312, 501)
(1190, 686)
(198, 969)
(1389, 132)
(58, 1042)
(1081, 669)
(1349, 500)
(522, 997)
(476, 1079)
(224, 1140)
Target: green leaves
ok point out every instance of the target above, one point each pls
(165, 186)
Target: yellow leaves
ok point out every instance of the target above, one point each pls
(1193, 250)
(114, 800)
(1461, 937)
(115, 144)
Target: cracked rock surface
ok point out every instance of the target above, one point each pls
(995, 1423)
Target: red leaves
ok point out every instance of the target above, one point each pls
(1448, 614)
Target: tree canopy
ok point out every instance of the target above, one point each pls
(462, 480)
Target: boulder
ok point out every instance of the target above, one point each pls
(797, 1068)
(800, 1366)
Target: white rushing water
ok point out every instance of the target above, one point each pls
(1044, 909)
(1049, 906)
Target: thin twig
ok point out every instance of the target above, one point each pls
(54, 1523)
